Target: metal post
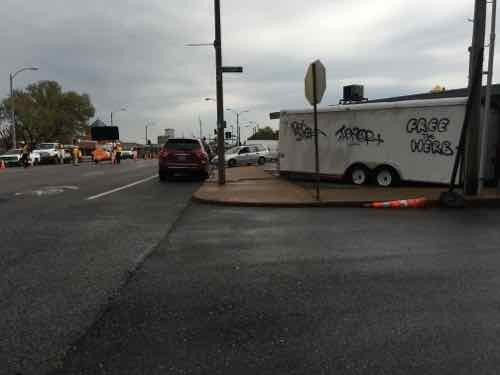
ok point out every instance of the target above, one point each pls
(316, 146)
(220, 96)
(12, 113)
(146, 135)
(487, 103)
(471, 159)
(111, 118)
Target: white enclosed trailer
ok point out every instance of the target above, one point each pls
(413, 140)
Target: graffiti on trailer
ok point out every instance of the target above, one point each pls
(421, 125)
(301, 131)
(356, 136)
(425, 136)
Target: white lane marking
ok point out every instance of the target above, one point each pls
(48, 190)
(121, 188)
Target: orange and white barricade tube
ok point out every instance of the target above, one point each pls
(404, 203)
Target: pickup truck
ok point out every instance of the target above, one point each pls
(49, 153)
(13, 158)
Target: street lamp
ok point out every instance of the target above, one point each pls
(238, 136)
(120, 110)
(12, 114)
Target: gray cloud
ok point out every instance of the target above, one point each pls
(131, 53)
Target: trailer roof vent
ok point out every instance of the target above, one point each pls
(353, 94)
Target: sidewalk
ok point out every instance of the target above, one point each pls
(254, 186)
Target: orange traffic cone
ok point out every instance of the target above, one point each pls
(2, 165)
(405, 203)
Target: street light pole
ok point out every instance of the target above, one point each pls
(12, 118)
(238, 131)
(12, 112)
(220, 96)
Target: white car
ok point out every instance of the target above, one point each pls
(49, 152)
(127, 154)
(253, 154)
(13, 158)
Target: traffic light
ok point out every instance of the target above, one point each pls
(215, 131)
(228, 135)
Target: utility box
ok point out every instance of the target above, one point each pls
(354, 93)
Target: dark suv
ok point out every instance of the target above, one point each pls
(183, 156)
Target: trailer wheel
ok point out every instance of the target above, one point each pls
(386, 176)
(358, 174)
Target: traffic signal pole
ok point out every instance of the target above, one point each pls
(221, 164)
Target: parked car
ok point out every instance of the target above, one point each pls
(183, 155)
(12, 158)
(49, 153)
(254, 154)
(127, 154)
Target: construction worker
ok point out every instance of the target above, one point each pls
(118, 153)
(25, 154)
(75, 154)
(113, 153)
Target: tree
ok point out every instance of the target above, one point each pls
(266, 133)
(44, 112)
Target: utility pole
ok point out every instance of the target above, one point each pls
(472, 146)
(146, 135)
(487, 101)
(111, 119)
(221, 164)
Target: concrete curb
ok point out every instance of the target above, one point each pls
(470, 203)
(345, 204)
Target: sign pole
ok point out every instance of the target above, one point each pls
(316, 146)
(315, 86)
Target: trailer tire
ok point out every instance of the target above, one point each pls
(386, 176)
(358, 174)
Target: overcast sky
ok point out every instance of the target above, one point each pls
(132, 53)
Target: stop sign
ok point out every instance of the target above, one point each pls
(316, 70)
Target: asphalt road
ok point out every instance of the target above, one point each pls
(308, 291)
(63, 256)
